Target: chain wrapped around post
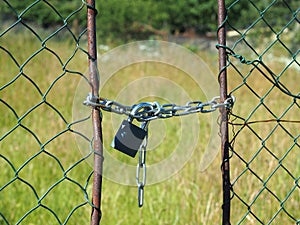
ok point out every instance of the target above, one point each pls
(158, 111)
(130, 139)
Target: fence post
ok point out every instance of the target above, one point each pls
(96, 114)
(224, 113)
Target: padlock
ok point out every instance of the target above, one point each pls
(129, 137)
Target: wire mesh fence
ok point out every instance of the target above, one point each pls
(263, 73)
(44, 177)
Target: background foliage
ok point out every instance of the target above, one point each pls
(140, 19)
(189, 197)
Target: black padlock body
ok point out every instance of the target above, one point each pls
(129, 138)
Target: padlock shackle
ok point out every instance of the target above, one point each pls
(140, 106)
(147, 106)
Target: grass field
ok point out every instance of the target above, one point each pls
(189, 197)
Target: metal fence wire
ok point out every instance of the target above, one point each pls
(263, 74)
(44, 177)
(37, 128)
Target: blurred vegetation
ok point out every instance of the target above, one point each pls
(140, 19)
(189, 197)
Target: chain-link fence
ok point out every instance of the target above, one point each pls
(44, 177)
(263, 75)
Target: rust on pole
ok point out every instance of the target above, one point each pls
(224, 113)
(96, 114)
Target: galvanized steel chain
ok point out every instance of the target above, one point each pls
(130, 139)
(141, 172)
(157, 111)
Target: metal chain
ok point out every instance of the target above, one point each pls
(148, 111)
(157, 111)
(141, 168)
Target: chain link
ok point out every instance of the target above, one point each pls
(141, 168)
(153, 110)
(148, 111)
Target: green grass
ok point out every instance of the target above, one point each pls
(188, 197)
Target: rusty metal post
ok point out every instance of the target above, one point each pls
(96, 114)
(224, 114)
